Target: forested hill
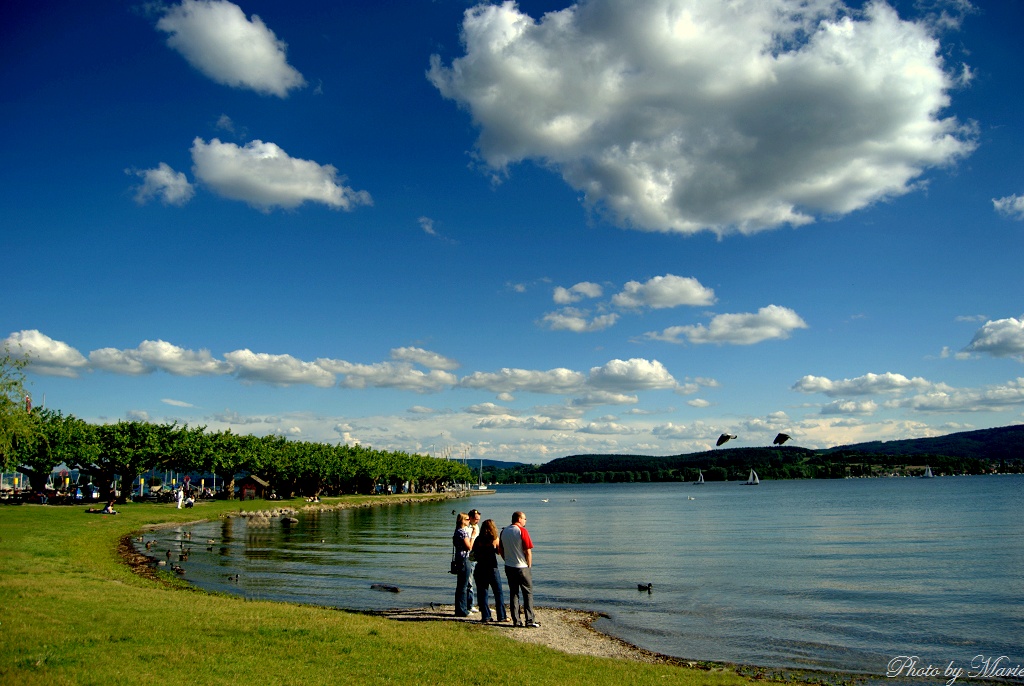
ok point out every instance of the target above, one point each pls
(969, 452)
(1002, 443)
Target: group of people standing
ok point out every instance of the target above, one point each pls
(476, 548)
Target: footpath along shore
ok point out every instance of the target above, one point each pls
(566, 630)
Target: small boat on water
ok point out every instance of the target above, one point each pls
(927, 473)
(752, 480)
(700, 479)
(482, 486)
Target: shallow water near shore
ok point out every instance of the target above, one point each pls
(838, 575)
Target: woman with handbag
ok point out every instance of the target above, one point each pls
(462, 543)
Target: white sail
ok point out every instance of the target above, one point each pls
(928, 473)
(700, 478)
(752, 480)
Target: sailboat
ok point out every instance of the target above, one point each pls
(481, 486)
(700, 479)
(928, 473)
(752, 480)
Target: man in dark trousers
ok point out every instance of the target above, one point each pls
(516, 549)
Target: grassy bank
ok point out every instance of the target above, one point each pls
(71, 612)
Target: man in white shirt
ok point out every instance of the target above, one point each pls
(516, 548)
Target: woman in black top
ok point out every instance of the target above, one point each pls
(486, 573)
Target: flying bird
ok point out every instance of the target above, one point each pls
(781, 438)
(725, 438)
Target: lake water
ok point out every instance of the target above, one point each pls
(837, 574)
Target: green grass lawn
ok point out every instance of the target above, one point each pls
(72, 612)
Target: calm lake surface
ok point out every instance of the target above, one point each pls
(836, 574)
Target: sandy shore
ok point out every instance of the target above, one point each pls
(569, 631)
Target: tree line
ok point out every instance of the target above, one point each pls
(786, 462)
(124, 451)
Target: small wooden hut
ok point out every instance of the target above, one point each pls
(252, 487)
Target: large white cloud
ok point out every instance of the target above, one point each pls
(217, 39)
(994, 398)
(153, 355)
(868, 384)
(44, 355)
(768, 323)
(508, 380)
(1001, 338)
(400, 375)
(280, 370)
(631, 375)
(682, 115)
(265, 176)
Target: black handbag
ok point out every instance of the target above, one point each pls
(456, 566)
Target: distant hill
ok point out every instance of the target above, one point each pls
(496, 464)
(1002, 443)
(968, 452)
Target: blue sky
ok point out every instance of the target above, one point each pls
(518, 232)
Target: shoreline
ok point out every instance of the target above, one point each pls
(565, 630)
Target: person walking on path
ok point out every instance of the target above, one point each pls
(516, 549)
(462, 543)
(486, 574)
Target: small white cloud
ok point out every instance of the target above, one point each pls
(768, 323)
(698, 402)
(424, 358)
(597, 398)
(528, 423)
(176, 403)
(850, 407)
(489, 409)
(1012, 206)
(664, 291)
(427, 224)
(584, 289)
(164, 184)
(576, 320)
(265, 176)
(606, 429)
(217, 39)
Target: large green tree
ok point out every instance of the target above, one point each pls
(17, 424)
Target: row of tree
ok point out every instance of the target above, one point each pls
(107, 453)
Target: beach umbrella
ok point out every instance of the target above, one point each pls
(781, 438)
(724, 438)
